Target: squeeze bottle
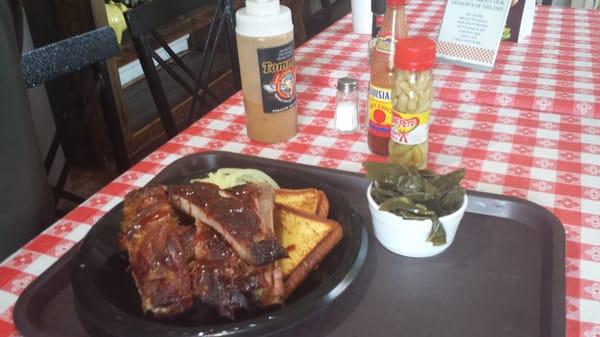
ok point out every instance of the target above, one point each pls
(265, 42)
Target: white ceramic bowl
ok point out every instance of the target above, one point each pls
(408, 237)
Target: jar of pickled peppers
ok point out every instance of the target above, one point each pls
(412, 93)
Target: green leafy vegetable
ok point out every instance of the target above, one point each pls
(437, 236)
(416, 194)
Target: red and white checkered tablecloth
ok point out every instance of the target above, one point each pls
(556, 70)
(547, 153)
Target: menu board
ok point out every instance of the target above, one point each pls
(471, 31)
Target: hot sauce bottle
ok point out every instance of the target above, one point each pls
(382, 73)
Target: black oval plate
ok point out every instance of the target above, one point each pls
(108, 303)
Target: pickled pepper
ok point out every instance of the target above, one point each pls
(412, 94)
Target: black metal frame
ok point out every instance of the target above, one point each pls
(43, 64)
(143, 22)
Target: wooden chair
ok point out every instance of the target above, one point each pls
(81, 52)
(297, 7)
(143, 22)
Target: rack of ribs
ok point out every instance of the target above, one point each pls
(220, 277)
(234, 214)
(159, 263)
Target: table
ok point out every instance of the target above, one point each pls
(557, 70)
(550, 156)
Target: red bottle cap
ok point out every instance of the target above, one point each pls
(415, 54)
(395, 3)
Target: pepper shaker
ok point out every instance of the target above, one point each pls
(346, 105)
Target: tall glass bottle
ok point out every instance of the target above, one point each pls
(382, 73)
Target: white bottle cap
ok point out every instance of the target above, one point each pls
(263, 18)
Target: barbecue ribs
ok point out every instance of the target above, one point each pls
(174, 264)
(235, 215)
(220, 277)
(159, 263)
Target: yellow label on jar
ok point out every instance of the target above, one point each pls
(380, 111)
(409, 129)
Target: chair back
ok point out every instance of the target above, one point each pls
(69, 55)
(64, 57)
(143, 22)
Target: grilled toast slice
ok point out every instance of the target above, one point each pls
(307, 237)
(309, 200)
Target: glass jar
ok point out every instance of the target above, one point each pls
(412, 94)
(346, 105)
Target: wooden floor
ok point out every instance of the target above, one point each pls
(85, 181)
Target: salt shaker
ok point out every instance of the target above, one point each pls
(346, 105)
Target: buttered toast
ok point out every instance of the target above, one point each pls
(306, 235)
(309, 200)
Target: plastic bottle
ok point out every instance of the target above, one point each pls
(411, 95)
(382, 71)
(265, 42)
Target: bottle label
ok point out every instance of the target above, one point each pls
(385, 42)
(277, 77)
(380, 111)
(409, 129)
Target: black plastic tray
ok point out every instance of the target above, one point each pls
(104, 289)
(503, 275)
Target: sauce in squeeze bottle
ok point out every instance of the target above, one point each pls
(412, 95)
(382, 72)
(265, 43)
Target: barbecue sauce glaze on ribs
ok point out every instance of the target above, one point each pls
(222, 279)
(150, 235)
(210, 270)
(235, 217)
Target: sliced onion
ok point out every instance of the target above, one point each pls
(229, 177)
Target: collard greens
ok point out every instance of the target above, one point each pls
(416, 194)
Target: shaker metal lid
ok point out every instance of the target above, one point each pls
(347, 84)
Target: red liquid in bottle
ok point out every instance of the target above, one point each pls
(382, 71)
